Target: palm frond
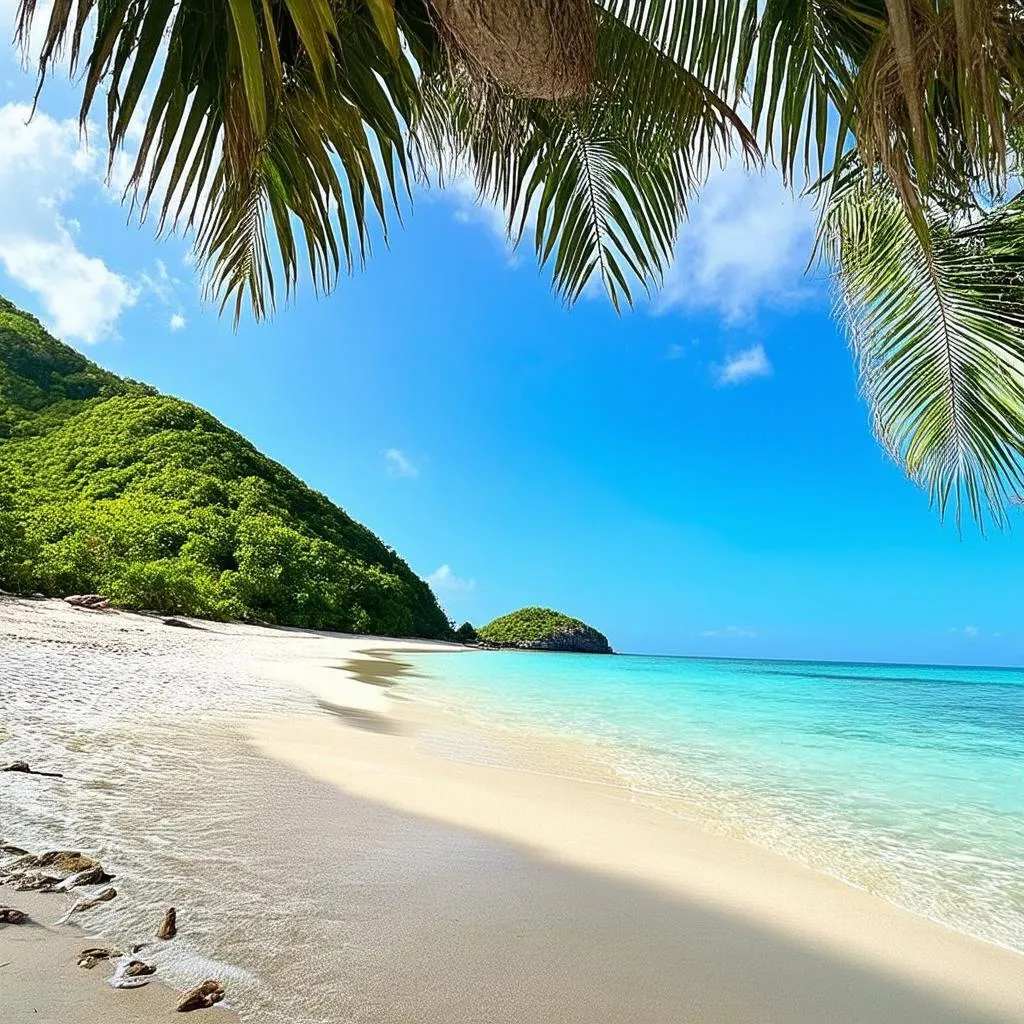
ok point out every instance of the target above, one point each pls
(275, 126)
(606, 181)
(937, 328)
(797, 61)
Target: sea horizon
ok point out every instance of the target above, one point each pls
(810, 661)
(307, 798)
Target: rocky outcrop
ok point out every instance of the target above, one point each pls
(542, 629)
(577, 641)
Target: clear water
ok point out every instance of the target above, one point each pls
(905, 780)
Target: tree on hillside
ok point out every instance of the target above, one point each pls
(466, 634)
(279, 130)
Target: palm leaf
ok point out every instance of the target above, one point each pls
(937, 328)
(605, 181)
(276, 126)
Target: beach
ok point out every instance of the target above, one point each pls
(341, 851)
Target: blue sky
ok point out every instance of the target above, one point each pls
(697, 476)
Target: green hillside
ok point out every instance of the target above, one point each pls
(545, 630)
(108, 487)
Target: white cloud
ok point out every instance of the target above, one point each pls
(177, 322)
(444, 579)
(470, 209)
(44, 162)
(968, 631)
(675, 352)
(731, 632)
(751, 362)
(399, 464)
(746, 243)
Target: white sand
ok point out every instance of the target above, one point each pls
(564, 811)
(580, 905)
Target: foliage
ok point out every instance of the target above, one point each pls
(287, 131)
(112, 488)
(466, 634)
(283, 131)
(533, 625)
(936, 328)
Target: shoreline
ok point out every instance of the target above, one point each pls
(39, 964)
(462, 874)
(578, 818)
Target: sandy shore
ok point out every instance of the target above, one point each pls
(396, 863)
(847, 947)
(40, 982)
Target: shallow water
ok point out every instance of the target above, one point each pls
(314, 907)
(287, 890)
(905, 780)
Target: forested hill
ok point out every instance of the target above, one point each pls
(107, 486)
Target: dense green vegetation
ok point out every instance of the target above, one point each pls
(108, 487)
(544, 629)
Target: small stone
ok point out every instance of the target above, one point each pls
(138, 969)
(180, 623)
(89, 958)
(169, 927)
(104, 897)
(8, 915)
(123, 981)
(201, 997)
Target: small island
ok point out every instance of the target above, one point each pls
(542, 629)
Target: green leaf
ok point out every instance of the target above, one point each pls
(938, 332)
(383, 12)
(247, 38)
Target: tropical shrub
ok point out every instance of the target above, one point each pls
(112, 488)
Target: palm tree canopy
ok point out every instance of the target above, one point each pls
(283, 133)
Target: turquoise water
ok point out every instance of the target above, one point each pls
(905, 780)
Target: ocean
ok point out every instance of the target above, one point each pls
(312, 905)
(905, 780)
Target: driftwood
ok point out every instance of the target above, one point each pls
(94, 601)
(23, 768)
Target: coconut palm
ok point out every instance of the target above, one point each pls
(280, 132)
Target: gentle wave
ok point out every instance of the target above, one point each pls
(909, 784)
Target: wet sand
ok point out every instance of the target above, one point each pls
(40, 982)
(596, 907)
(373, 860)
